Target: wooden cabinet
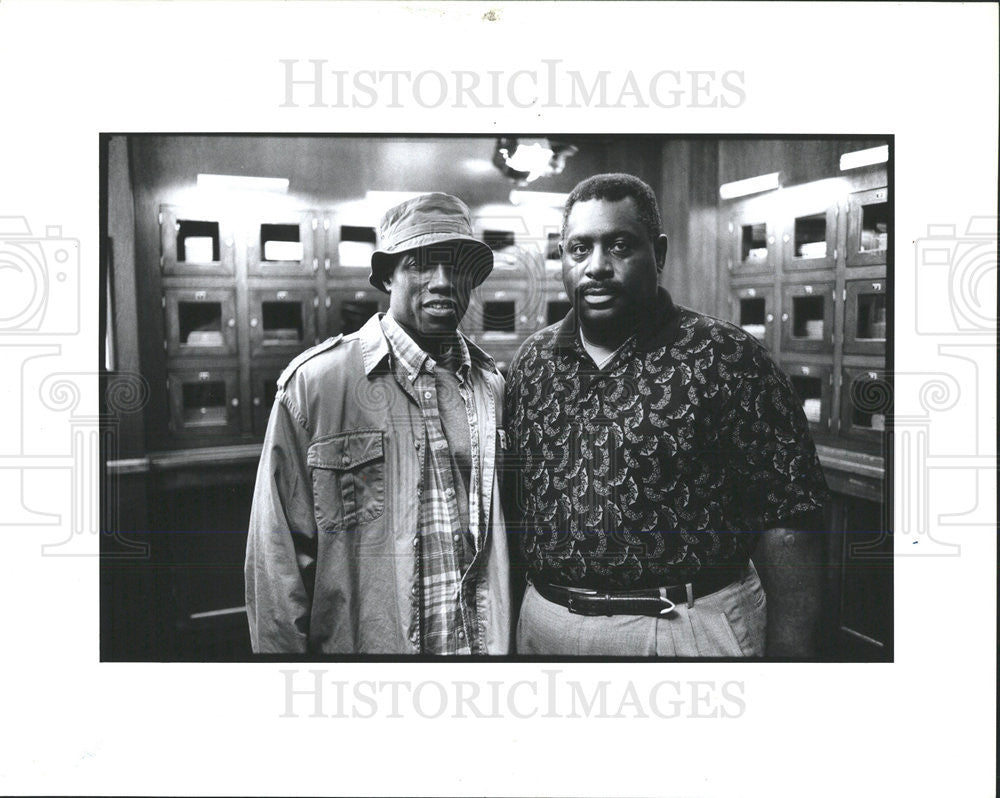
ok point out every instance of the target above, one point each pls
(820, 300)
(752, 246)
(282, 320)
(809, 240)
(867, 227)
(813, 383)
(240, 296)
(283, 245)
(243, 293)
(200, 322)
(859, 589)
(865, 403)
(350, 302)
(807, 318)
(866, 305)
(195, 244)
(752, 308)
(203, 403)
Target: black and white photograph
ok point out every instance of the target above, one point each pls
(453, 397)
(549, 396)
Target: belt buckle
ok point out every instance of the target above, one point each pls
(573, 593)
(670, 605)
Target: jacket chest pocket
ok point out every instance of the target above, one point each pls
(348, 476)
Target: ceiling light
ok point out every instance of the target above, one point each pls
(853, 160)
(524, 161)
(752, 185)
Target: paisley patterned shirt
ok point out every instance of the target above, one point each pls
(664, 463)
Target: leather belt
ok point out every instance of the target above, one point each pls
(650, 601)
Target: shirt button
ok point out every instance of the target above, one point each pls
(416, 542)
(456, 537)
(460, 634)
(346, 460)
(414, 589)
(416, 443)
(449, 492)
(427, 394)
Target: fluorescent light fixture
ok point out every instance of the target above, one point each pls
(853, 160)
(277, 185)
(752, 185)
(546, 199)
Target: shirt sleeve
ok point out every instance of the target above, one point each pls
(775, 472)
(281, 546)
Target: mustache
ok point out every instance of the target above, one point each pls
(598, 288)
(435, 300)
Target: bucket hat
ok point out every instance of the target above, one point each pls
(426, 221)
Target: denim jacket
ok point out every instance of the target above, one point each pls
(332, 566)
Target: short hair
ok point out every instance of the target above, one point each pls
(613, 187)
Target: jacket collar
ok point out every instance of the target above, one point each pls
(375, 348)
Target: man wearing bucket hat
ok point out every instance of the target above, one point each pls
(376, 524)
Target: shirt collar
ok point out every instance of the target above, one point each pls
(660, 331)
(412, 358)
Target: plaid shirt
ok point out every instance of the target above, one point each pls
(446, 607)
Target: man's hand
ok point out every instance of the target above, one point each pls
(790, 564)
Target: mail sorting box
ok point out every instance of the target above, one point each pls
(263, 387)
(200, 322)
(353, 245)
(499, 313)
(753, 310)
(810, 240)
(283, 247)
(865, 404)
(813, 385)
(204, 403)
(349, 306)
(868, 227)
(557, 305)
(512, 298)
(191, 245)
(753, 248)
(807, 317)
(282, 321)
(865, 321)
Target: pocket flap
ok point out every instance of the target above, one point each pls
(346, 450)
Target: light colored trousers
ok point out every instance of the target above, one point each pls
(731, 622)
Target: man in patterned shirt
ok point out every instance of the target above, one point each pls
(654, 450)
(376, 524)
